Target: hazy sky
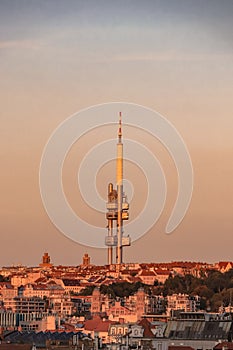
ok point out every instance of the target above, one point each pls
(57, 57)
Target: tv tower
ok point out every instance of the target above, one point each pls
(117, 208)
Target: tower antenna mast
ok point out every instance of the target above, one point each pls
(117, 207)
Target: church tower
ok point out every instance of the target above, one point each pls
(140, 303)
(96, 302)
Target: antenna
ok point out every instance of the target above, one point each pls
(120, 129)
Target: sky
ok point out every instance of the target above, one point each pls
(59, 57)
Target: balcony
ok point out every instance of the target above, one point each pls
(111, 205)
(126, 241)
(111, 215)
(111, 241)
(125, 215)
(125, 206)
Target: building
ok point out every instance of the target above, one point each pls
(86, 260)
(25, 304)
(199, 330)
(117, 312)
(143, 335)
(27, 321)
(96, 302)
(38, 290)
(61, 305)
(46, 323)
(71, 285)
(162, 275)
(46, 261)
(8, 319)
(155, 304)
(182, 302)
(140, 303)
(7, 290)
(98, 327)
(224, 266)
(82, 304)
(147, 277)
(16, 347)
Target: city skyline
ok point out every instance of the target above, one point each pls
(86, 260)
(174, 57)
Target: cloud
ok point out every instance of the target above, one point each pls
(170, 56)
(20, 44)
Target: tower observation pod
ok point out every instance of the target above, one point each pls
(117, 209)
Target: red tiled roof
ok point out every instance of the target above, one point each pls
(146, 325)
(225, 345)
(51, 282)
(71, 282)
(97, 324)
(125, 272)
(7, 285)
(182, 264)
(15, 347)
(147, 273)
(162, 272)
(135, 279)
(179, 347)
(40, 286)
(41, 280)
(224, 263)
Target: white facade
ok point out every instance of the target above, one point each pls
(182, 302)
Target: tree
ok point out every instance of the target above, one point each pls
(4, 279)
(216, 302)
(203, 291)
(87, 291)
(174, 285)
(122, 289)
(216, 281)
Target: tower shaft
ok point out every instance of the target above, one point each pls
(110, 229)
(119, 179)
(110, 249)
(117, 209)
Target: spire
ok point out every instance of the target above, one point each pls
(119, 129)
